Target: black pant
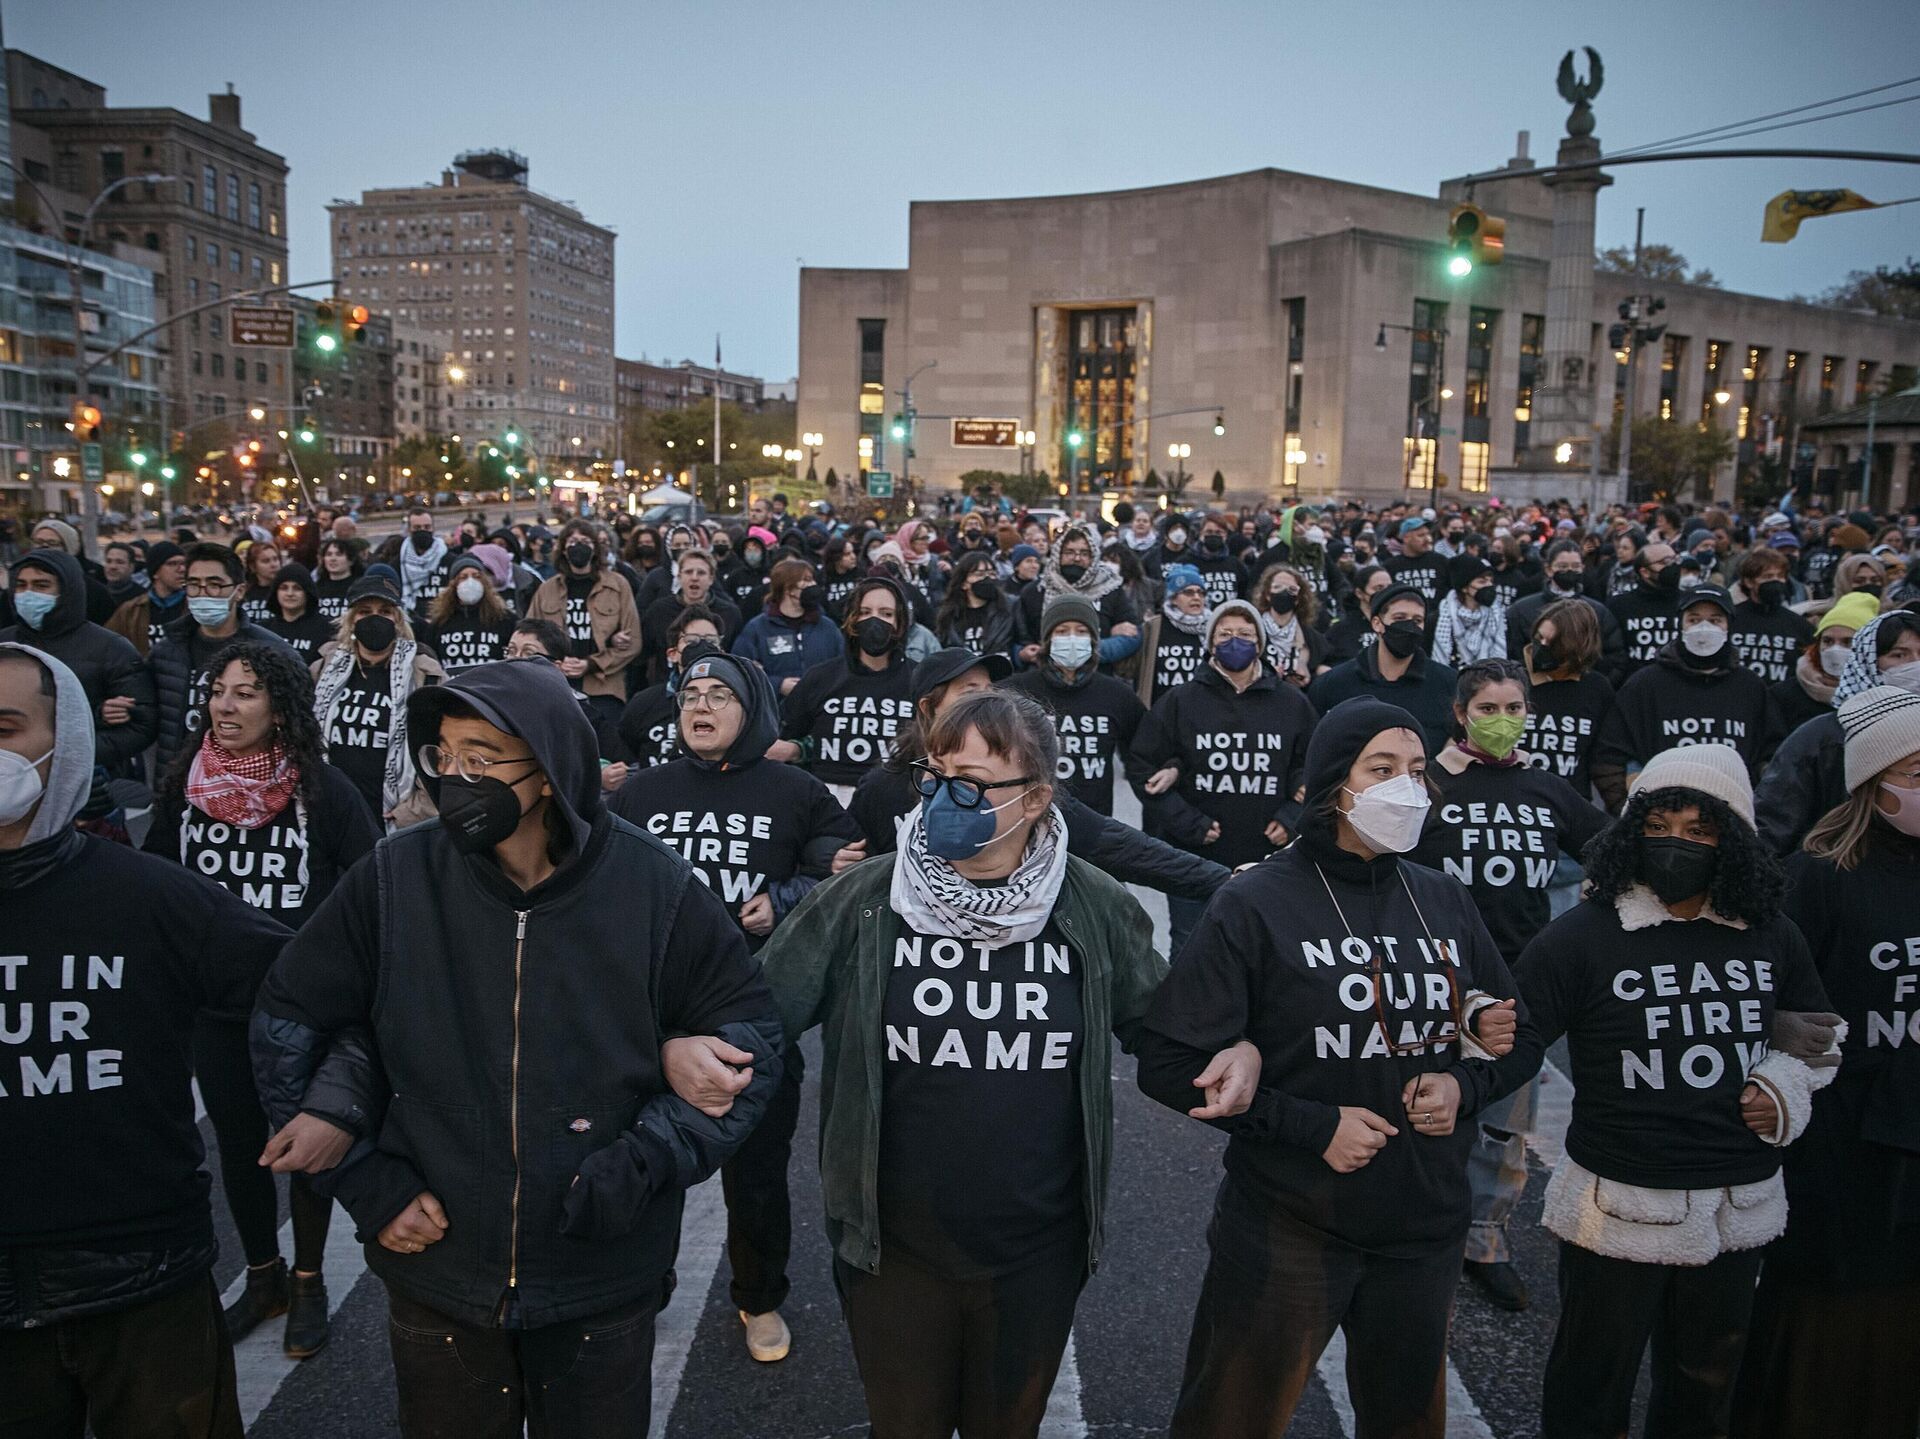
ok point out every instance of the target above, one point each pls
(225, 1071)
(1696, 1317)
(589, 1378)
(759, 1210)
(1273, 1295)
(158, 1370)
(939, 1354)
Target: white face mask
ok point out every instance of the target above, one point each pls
(1176, 538)
(468, 592)
(1834, 659)
(1703, 639)
(1903, 677)
(20, 785)
(1316, 535)
(1390, 815)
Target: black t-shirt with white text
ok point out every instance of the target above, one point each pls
(650, 726)
(851, 713)
(361, 727)
(1563, 725)
(980, 1120)
(466, 640)
(1669, 703)
(1096, 721)
(1176, 658)
(1649, 619)
(1770, 640)
(331, 597)
(1663, 1024)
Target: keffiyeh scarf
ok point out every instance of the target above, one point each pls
(241, 790)
(932, 898)
(398, 781)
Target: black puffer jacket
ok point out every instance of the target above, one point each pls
(172, 666)
(107, 665)
(525, 1081)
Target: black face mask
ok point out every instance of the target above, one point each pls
(1772, 593)
(1214, 544)
(987, 591)
(813, 597)
(647, 552)
(1666, 582)
(1073, 574)
(1869, 589)
(1283, 602)
(1566, 581)
(580, 555)
(1676, 869)
(1546, 657)
(478, 814)
(421, 540)
(1402, 638)
(875, 636)
(375, 633)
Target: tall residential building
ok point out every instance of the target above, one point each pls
(519, 282)
(419, 380)
(216, 226)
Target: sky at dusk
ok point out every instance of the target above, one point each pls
(728, 143)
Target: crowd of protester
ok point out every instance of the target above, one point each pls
(488, 880)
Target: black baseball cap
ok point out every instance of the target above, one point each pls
(946, 665)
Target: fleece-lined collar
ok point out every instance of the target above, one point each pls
(1640, 908)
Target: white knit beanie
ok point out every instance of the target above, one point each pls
(1712, 769)
(1881, 726)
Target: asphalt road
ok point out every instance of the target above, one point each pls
(1128, 1342)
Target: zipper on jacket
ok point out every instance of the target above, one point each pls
(513, 1102)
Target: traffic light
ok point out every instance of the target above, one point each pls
(354, 321)
(86, 422)
(1473, 238)
(1075, 439)
(512, 437)
(326, 319)
(1219, 425)
(899, 430)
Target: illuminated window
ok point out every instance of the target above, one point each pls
(1473, 466)
(1533, 346)
(1417, 462)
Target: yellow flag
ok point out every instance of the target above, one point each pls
(1786, 210)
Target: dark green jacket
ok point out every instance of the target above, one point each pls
(828, 963)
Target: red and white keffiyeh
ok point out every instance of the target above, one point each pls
(242, 790)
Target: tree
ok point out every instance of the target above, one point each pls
(1021, 491)
(1219, 485)
(1669, 455)
(1659, 264)
(1889, 290)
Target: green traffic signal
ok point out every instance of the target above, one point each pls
(1459, 265)
(325, 343)
(1075, 439)
(167, 472)
(306, 436)
(899, 427)
(513, 437)
(138, 459)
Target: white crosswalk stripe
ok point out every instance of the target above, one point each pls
(260, 1364)
(703, 1236)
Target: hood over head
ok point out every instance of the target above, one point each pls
(759, 706)
(300, 575)
(70, 775)
(70, 611)
(532, 700)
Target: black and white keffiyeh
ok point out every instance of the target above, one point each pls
(932, 898)
(398, 779)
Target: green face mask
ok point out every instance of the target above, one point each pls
(1496, 735)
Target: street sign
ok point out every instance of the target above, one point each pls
(92, 464)
(267, 325)
(880, 484)
(986, 434)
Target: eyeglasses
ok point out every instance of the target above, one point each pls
(444, 764)
(965, 793)
(716, 700)
(219, 589)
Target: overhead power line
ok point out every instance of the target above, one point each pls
(1718, 131)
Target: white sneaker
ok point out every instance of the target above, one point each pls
(768, 1338)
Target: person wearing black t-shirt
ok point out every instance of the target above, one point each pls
(1695, 692)
(760, 835)
(1353, 632)
(1570, 700)
(1419, 566)
(694, 585)
(340, 566)
(1173, 645)
(1665, 981)
(295, 614)
(262, 561)
(1839, 1299)
(968, 988)
(468, 623)
(1649, 609)
(256, 809)
(1216, 559)
(1769, 635)
(975, 614)
(1566, 580)
(1397, 670)
(650, 725)
(842, 718)
(361, 683)
(1499, 826)
(1095, 714)
(1367, 983)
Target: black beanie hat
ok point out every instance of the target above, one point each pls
(1342, 735)
(1463, 570)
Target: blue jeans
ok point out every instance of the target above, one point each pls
(1497, 1171)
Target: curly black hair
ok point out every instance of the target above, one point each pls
(1748, 883)
(289, 697)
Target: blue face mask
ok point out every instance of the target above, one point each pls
(1070, 651)
(1235, 654)
(34, 607)
(209, 610)
(956, 833)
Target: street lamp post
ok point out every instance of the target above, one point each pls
(1026, 439)
(89, 500)
(906, 442)
(813, 440)
(1179, 454)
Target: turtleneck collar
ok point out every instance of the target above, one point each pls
(21, 867)
(1317, 843)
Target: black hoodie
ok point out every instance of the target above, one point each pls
(748, 825)
(1680, 700)
(1283, 958)
(849, 713)
(520, 1033)
(106, 665)
(1649, 616)
(1097, 717)
(305, 635)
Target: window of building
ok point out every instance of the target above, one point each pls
(1864, 375)
(253, 204)
(186, 192)
(1829, 379)
(1673, 355)
(113, 166)
(10, 350)
(1533, 347)
(1711, 380)
(259, 269)
(1790, 382)
(193, 289)
(259, 372)
(213, 255)
(219, 365)
(196, 362)
(233, 197)
(233, 259)
(193, 248)
(873, 351)
(209, 190)
(1474, 461)
(1482, 326)
(273, 272)
(1753, 375)
(136, 367)
(1100, 374)
(1425, 363)
(1294, 456)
